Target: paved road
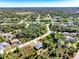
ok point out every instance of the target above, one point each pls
(77, 56)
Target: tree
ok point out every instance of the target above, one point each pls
(18, 49)
(1, 56)
(2, 39)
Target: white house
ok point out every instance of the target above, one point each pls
(38, 44)
(56, 18)
(7, 35)
(2, 47)
(69, 23)
(70, 39)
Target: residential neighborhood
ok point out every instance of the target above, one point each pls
(39, 35)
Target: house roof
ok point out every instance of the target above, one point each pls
(9, 34)
(3, 44)
(15, 40)
(70, 39)
(1, 47)
(38, 45)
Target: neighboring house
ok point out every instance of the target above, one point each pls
(60, 42)
(20, 34)
(15, 42)
(38, 45)
(70, 39)
(7, 35)
(69, 24)
(2, 46)
(47, 17)
(56, 18)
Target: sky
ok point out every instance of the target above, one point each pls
(39, 3)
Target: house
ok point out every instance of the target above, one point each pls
(3, 44)
(20, 34)
(38, 45)
(69, 39)
(69, 23)
(60, 42)
(7, 35)
(47, 17)
(15, 42)
(56, 18)
(2, 47)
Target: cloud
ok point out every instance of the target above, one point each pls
(40, 4)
